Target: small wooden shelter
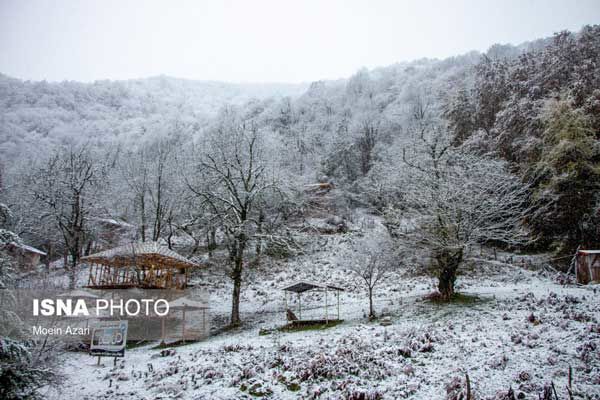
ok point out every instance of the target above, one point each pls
(147, 265)
(26, 256)
(300, 287)
(587, 268)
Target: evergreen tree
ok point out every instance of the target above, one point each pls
(566, 180)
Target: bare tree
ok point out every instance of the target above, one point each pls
(372, 263)
(149, 173)
(134, 171)
(66, 186)
(233, 180)
(162, 184)
(451, 201)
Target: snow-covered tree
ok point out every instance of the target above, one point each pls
(21, 373)
(150, 174)
(67, 185)
(460, 113)
(451, 201)
(566, 180)
(372, 262)
(236, 182)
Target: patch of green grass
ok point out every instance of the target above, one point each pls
(265, 332)
(293, 386)
(315, 327)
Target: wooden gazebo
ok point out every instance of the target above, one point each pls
(148, 265)
(300, 287)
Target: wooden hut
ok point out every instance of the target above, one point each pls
(146, 265)
(26, 256)
(587, 267)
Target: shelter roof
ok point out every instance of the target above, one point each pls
(139, 254)
(29, 249)
(303, 286)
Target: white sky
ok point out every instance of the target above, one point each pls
(260, 40)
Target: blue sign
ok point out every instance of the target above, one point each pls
(109, 339)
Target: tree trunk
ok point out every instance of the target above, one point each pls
(159, 211)
(171, 233)
(236, 276)
(261, 218)
(371, 309)
(88, 248)
(448, 263)
(49, 255)
(143, 217)
(73, 272)
(211, 241)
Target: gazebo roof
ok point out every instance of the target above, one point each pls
(303, 286)
(589, 251)
(140, 254)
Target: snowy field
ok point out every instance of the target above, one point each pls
(427, 346)
(518, 328)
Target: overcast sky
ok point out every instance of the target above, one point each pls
(260, 41)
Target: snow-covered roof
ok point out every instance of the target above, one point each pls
(303, 286)
(111, 221)
(28, 249)
(140, 253)
(589, 251)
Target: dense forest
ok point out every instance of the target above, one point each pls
(536, 107)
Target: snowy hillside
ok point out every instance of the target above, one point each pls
(48, 113)
(515, 328)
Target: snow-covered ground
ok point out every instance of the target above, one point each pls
(520, 329)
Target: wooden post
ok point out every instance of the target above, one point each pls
(203, 321)
(299, 306)
(162, 326)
